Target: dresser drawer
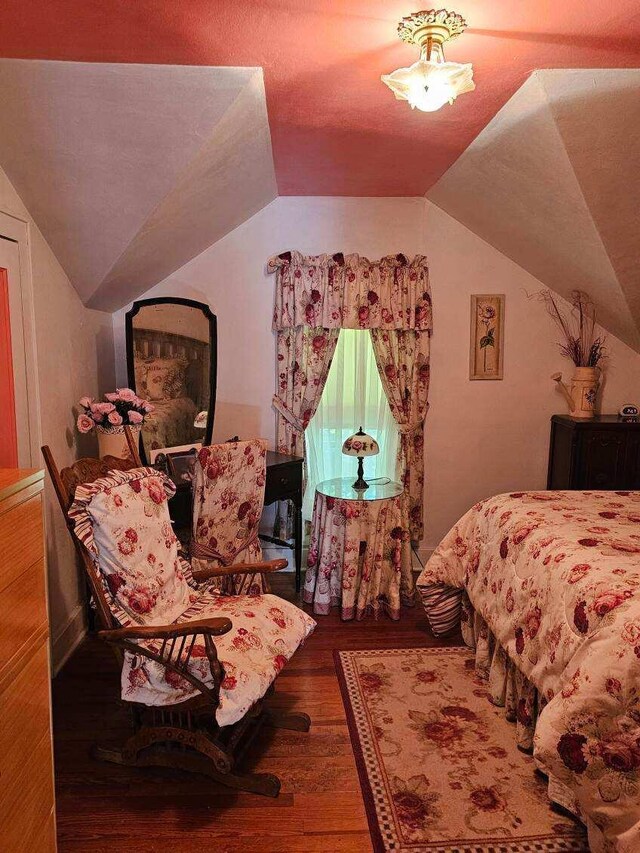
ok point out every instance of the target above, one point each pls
(23, 605)
(282, 481)
(21, 538)
(27, 808)
(25, 717)
(603, 460)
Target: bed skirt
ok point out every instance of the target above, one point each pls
(508, 688)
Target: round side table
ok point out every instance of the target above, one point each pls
(360, 554)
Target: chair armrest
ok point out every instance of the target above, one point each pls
(175, 649)
(213, 627)
(239, 569)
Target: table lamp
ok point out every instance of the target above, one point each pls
(360, 444)
(201, 420)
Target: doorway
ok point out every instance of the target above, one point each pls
(19, 420)
(8, 431)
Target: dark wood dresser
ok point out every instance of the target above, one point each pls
(599, 453)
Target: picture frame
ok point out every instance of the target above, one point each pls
(486, 346)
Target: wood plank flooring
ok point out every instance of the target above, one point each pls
(103, 807)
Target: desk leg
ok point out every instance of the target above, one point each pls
(298, 548)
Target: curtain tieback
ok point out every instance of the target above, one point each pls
(286, 413)
(408, 429)
(202, 551)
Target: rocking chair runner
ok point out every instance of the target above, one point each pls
(182, 730)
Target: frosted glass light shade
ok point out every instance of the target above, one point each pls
(428, 85)
(360, 444)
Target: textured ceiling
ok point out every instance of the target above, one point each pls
(336, 129)
(131, 170)
(553, 182)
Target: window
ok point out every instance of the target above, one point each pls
(353, 396)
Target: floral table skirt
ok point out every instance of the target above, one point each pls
(359, 557)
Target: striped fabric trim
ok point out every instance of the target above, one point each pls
(442, 605)
(83, 524)
(188, 574)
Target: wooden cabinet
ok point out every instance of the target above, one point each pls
(600, 453)
(27, 812)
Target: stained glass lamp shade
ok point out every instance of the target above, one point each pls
(360, 445)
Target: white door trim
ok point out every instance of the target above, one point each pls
(18, 229)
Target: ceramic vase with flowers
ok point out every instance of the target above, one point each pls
(109, 417)
(581, 344)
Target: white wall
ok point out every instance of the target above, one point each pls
(481, 437)
(486, 437)
(75, 357)
(231, 276)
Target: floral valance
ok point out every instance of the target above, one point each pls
(351, 292)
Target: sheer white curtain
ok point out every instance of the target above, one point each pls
(353, 396)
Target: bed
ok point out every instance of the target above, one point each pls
(546, 588)
(172, 372)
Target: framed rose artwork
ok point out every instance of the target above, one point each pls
(487, 336)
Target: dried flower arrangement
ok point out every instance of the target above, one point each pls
(578, 327)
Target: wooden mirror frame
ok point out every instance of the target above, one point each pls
(213, 353)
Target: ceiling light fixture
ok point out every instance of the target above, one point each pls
(430, 82)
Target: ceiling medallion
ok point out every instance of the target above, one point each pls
(431, 82)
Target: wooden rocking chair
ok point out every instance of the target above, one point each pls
(184, 735)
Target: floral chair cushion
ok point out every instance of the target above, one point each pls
(123, 520)
(228, 498)
(266, 633)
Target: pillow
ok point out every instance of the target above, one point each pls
(123, 519)
(164, 378)
(141, 380)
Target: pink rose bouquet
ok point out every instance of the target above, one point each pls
(122, 406)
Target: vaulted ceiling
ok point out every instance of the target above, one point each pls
(335, 128)
(132, 170)
(138, 133)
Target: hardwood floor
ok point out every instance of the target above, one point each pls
(103, 807)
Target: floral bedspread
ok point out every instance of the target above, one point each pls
(556, 577)
(171, 424)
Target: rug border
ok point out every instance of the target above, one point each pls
(356, 748)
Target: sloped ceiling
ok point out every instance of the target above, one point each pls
(336, 129)
(553, 182)
(132, 170)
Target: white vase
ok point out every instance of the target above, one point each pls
(113, 442)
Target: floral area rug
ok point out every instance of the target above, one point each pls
(438, 763)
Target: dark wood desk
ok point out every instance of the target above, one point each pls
(283, 482)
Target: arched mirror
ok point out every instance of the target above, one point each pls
(172, 363)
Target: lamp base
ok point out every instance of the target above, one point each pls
(360, 484)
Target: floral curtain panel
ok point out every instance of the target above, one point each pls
(403, 365)
(316, 296)
(304, 359)
(351, 292)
